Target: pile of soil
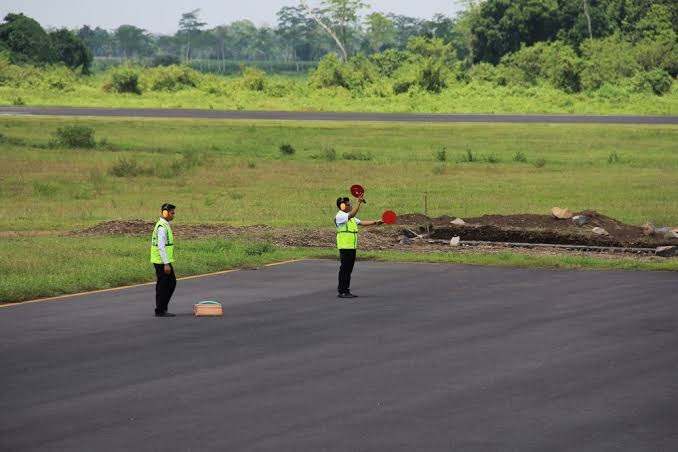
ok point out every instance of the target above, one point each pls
(498, 229)
(374, 238)
(531, 228)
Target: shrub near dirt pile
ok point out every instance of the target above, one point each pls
(75, 136)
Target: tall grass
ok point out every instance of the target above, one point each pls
(181, 87)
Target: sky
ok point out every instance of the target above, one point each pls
(162, 16)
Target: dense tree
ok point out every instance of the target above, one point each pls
(295, 30)
(132, 41)
(70, 50)
(502, 26)
(26, 40)
(441, 27)
(380, 32)
(627, 14)
(98, 40)
(343, 15)
(405, 28)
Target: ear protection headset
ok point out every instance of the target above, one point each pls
(166, 210)
(342, 203)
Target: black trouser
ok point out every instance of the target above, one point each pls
(164, 288)
(347, 261)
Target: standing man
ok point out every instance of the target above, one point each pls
(347, 241)
(162, 257)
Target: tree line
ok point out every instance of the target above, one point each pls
(565, 42)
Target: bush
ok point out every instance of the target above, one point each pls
(389, 61)
(276, 89)
(287, 149)
(519, 157)
(329, 153)
(405, 78)
(172, 78)
(187, 161)
(59, 78)
(329, 73)
(357, 155)
(469, 157)
(4, 139)
(607, 60)
(128, 168)
(556, 63)
(75, 137)
(360, 72)
(253, 79)
(441, 155)
(658, 53)
(432, 76)
(124, 80)
(613, 158)
(657, 81)
(539, 163)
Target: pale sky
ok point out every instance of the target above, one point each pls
(162, 16)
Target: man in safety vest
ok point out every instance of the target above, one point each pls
(347, 241)
(162, 257)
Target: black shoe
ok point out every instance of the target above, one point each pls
(165, 314)
(350, 295)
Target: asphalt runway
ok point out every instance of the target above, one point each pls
(330, 116)
(429, 358)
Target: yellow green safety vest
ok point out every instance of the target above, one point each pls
(169, 247)
(347, 235)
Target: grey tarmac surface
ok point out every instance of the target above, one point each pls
(429, 358)
(329, 116)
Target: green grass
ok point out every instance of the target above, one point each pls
(224, 93)
(75, 264)
(233, 171)
(69, 264)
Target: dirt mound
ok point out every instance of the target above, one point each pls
(532, 228)
(381, 238)
(520, 228)
(117, 227)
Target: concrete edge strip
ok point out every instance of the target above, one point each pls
(112, 289)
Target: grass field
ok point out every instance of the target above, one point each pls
(234, 172)
(293, 94)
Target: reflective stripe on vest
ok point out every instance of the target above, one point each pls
(347, 235)
(169, 246)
